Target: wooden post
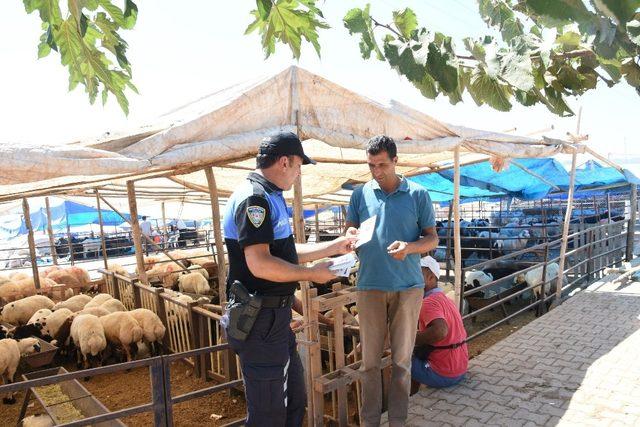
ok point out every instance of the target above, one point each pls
(54, 255)
(165, 233)
(449, 236)
(317, 215)
(69, 243)
(565, 226)
(457, 284)
(102, 242)
(298, 212)
(135, 230)
(633, 210)
(32, 243)
(217, 231)
(609, 208)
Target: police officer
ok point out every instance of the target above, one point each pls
(264, 257)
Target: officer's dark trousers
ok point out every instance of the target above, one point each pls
(273, 375)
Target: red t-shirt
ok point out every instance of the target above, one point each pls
(446, 362)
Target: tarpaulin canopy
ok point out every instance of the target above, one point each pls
(63, 213)
(224, 129)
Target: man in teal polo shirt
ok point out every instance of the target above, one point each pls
(390, 282)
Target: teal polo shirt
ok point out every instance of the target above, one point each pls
(401, 215)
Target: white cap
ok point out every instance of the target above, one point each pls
(431, 264)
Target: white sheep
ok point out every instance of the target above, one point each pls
(75, 303)
(518, 243)
(347, 317)
(477, 278)
(113, 305)
(533, 279)
(37, 421)
(193, 282)
(10, 352)
(118, 269)
(98, 300)
(96, 311)
(120, 328)
(153, 329)
(195, 268)
(52, 322)
(39, 316)
(9, 291)
(4, 279)
(18, 275)
(88, 336)
(19, 312)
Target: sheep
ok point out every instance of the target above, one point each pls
(98, 300)
(19, 312)
(533, 279)
(113, 305)
(53, 322)
(26, 286)
(37, 421)
(63, 277)
(81, 275)
(153, 329)
(75, 303)
(4, 332)
(347, 317)
(89, 338)
(4, 279)
(18, 275)
(96, 311)
(10, 353)
(9, 291)
(26, 331)
(39, 316)
(517, 243)
(193, 282)
(122, 329)
(118, 269)
(198, 269)
(50, 270)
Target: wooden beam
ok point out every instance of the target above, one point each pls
(69, 243)
(457, 279)
(535, 175)
(102, 242)
(631, 231)
(217, 231)
(32, 243)
(317, 215)
(165, 233)
(54, 255)
(137, 234)
(565, 226)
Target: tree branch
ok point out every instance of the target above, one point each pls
(388, 27)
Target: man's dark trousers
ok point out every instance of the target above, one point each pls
(273, 374)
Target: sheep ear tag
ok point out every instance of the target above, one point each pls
(256, 215)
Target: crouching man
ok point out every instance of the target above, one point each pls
(440, 356)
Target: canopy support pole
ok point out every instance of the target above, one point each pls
(633, 210)
(102, 241)
(137, 234)
(69, 243)
(165, 234)
(217, 231)
(52, 243)
(457, 286)
(32, 243)
(565, 226)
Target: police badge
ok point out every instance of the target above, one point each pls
(256, 215)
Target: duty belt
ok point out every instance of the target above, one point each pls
(273, 301)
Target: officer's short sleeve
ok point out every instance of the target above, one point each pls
(426, 216)
(253, 219)
(352, 209)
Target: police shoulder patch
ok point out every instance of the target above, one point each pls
(256, 215)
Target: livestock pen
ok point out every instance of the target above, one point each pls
(210, 152)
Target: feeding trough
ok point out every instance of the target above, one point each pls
(66, 401)
(44, 357)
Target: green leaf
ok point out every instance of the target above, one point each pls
(526, 98)
(487, 89)
(130, 14)
(570, 38)
(358, 21)
(517, 70)
(264, 8)
(556, 104)
(405, 21)
(621, 11)
(43, 50)
(633, 28)
(560, 10)
(631, 72)
(113, 11)
(441, 69)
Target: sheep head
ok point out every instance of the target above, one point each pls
(29, 345)
(519, 279)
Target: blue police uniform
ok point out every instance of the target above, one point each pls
(273, 375)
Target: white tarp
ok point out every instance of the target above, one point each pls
(226, 127)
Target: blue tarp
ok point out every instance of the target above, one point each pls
(516, 182)
(76, 214)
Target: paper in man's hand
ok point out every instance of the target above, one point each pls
(365, 232)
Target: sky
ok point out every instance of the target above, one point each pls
(183, 50)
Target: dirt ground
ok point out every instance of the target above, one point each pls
(127, 389)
